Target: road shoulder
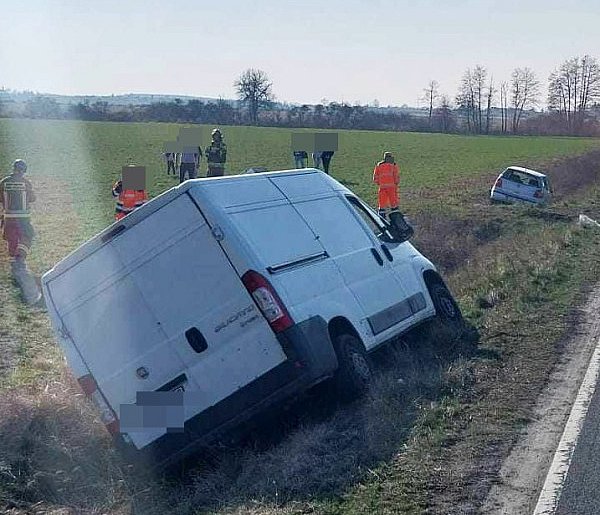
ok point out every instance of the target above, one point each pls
(524, 471)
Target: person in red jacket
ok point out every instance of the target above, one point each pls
(387, 178)
(128, 200)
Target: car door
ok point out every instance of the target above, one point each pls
(357, 252)
(400, 255)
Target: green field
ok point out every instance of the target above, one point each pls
(403, 449)
(87, 156)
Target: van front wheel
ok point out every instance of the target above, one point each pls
(354, 371)
(448, 312)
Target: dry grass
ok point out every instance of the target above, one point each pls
(54, 452)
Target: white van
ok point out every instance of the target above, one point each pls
(223, 296)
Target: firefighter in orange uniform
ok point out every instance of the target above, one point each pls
(127, 200)
(386, 176)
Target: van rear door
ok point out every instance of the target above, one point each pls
(159, 306)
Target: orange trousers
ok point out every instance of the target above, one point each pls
(388, 197)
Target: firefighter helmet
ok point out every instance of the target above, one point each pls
(20, 166)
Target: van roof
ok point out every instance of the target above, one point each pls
(327, 183)
(526, 170)
(237, 190)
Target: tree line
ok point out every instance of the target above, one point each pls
(481, 105)
(572, 99)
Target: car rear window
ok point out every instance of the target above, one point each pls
(532, 181)
(522, 178)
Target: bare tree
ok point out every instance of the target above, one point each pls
(525, 90)
(254, 89)
(443, 113)
(470, 97)
(431, 95)
(573, 89)
(465, 99)
(491, 92)
(504, 106)
(479, 77)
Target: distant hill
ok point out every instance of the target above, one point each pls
(128, 99)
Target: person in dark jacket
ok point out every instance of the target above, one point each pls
(16, 195)
(216, 155)
(326, 159)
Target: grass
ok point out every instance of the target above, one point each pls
(430, 434)
(86, 157)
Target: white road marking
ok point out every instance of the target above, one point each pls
(550, 495)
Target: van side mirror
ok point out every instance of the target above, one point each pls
(399, 228)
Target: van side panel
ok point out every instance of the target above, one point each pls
(277, 233)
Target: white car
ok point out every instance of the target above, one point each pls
(517, 184)
(225, 295)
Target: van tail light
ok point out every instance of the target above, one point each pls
(498, 183)
(268, 301)
(538, 194)
(107, 415)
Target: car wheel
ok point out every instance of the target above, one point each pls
(447, 310)
(354, 372)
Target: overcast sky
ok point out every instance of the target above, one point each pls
(351, 50)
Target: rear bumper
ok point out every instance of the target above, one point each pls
(506, 196)
(311, 358)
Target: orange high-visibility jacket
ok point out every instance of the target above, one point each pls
(386, 175)
(128, 200)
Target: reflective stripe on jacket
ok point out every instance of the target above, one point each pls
(130, 199)
(16, 193)
(386, 175)
(216, 154)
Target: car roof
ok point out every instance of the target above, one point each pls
(525, 170)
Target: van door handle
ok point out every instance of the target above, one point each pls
(377, 257)
(196, 340)
(387, 253)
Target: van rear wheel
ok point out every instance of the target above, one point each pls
(354, 366)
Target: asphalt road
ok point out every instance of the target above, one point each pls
(581, 491)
